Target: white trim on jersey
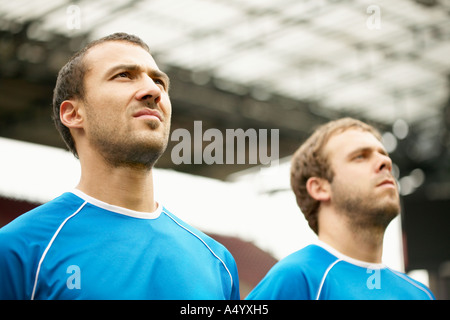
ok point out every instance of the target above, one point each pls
(412, 282)
(324, 277)
(117, 209)
(223, 263)
(342, 257)
(50, 244)
(142, 215)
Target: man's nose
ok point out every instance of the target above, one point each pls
(149, 91)
(385, 163)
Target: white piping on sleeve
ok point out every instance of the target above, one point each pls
(48, 247)
(411, 282)
(223, 263)
(324, 276)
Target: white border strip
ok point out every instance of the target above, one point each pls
(404, 277)
(223, 263)
(48, 247)
(324, 277)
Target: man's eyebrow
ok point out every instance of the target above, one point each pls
(154, 73)
(367, 149)
(122, 67)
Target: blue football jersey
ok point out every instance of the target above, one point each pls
(77, 247)
(318, 272)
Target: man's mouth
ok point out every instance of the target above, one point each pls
(148, 114)
(387, 183)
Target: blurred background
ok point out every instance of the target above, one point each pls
(288, 65)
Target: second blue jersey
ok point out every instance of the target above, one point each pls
(318, 272)
(76, 247)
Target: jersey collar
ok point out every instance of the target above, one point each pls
(117, 209)
(341, 256)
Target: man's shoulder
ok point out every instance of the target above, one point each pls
(23, 241)
(305, 265)
(412, 288)
(307, 259)
(40, 220)
(190, 230)
(218, 250)
(297, 276)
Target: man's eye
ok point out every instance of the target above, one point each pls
(123, 75)
(160, 82)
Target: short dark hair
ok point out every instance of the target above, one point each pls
(70, 81)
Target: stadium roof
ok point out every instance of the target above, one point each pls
(381, 61)
(284, 64)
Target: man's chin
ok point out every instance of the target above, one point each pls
(153, 124)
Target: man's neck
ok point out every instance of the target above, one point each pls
(364, 245)
(126, 187)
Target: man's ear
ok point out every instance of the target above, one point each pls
(71, 114)
(318, 188)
